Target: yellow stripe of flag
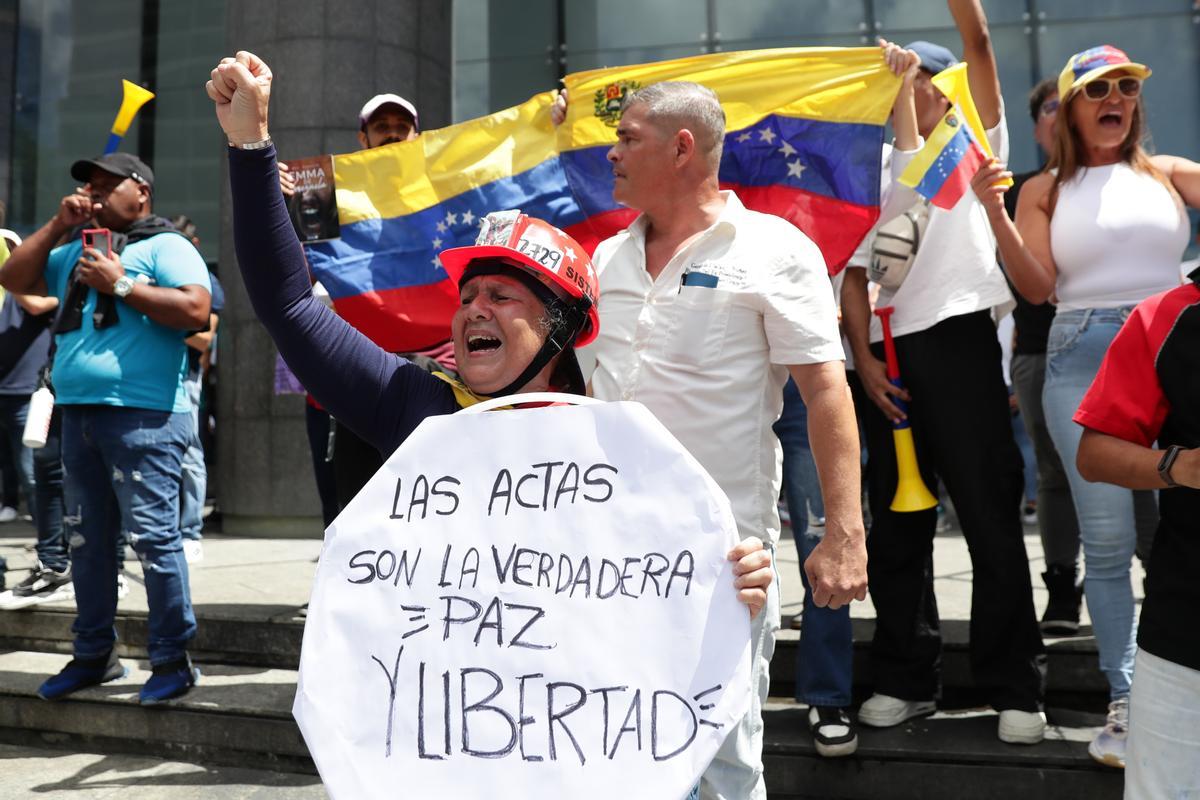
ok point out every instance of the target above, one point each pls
(831, 84)
(928, 154)
(401, 179)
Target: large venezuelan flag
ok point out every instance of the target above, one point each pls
(805, 127)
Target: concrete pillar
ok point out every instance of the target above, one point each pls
(8, 46)
(328, 58)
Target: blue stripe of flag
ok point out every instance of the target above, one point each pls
(399, 252)
(836, 159)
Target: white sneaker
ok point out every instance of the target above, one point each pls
(8, 514)
(122, 586)
(884, 711)
(1022, 727)
(1109, 745)
(193, 551)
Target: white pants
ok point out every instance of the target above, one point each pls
(1163, 756)
(737, 771)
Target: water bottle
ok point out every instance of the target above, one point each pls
(37, 423)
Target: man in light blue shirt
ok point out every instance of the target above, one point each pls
(118, 376)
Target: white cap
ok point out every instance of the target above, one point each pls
(11, 237)
(380, 100)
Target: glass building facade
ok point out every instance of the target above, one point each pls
(62, 61)
(507, 50)
(68, 58)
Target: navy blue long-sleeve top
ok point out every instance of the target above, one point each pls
(378, 395)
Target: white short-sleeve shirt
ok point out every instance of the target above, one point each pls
(705, 346)
(955, 271)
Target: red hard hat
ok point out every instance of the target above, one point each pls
(541, 249)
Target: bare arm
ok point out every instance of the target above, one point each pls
(1184, 175)
(856, 324)
(904, 63)
(24, 271)
(982, 75)
(1108, 459)
(36, 304)
(837, 568)
(183, 307)
(203, 340)
(1024, 247)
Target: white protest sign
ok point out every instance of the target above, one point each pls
(526, 603)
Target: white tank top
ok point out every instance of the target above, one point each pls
(1117, 236)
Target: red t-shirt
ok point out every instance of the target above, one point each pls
(1147, 391)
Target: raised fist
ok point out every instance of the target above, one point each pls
(241, 88)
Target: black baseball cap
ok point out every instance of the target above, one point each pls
(126, 165)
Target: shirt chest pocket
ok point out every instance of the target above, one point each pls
(700, 322)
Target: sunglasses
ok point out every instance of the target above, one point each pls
(1100, 88)
(1049, 108)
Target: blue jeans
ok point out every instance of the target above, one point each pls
(122, 470)
(825, 663)
(48, 498)
(14, 408)
(1077, 344)
(195, 473)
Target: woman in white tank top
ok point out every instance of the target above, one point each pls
(1101, 230)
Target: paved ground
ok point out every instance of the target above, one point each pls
(27, 772)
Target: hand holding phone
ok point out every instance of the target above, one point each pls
(99, 267)
(99, 239)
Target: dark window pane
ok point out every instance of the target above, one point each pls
(187, 151)
(903, 15)
(71, 57)
(594, 25)
(762, 20)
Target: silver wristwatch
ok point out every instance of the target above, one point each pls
(123, 286)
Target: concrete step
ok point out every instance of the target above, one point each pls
(240, 716)
(950, 755)
(236, 716)
(248, 635)
(1073, 674)
(270, 636)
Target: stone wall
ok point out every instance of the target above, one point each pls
(328, 58)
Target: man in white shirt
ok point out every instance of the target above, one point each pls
(949, 361)
(706, 307)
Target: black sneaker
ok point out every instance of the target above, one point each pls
(833, 731)
(42, 585)
(1062, 609)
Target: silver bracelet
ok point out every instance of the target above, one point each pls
(261, 144)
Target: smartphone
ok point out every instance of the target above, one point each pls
(98, 239)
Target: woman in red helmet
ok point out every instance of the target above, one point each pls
(528, 295)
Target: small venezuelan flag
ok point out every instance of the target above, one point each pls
(942, 171)
(958, 146)
(804, 131)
